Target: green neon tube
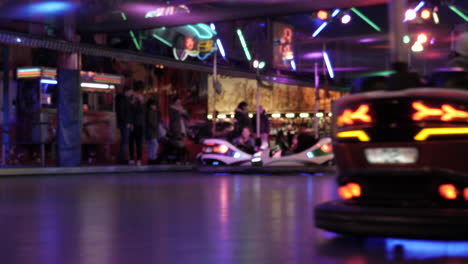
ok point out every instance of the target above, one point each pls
(162, 40)
(135, 41)
(244, 45)
(458, 12)
(367, 20)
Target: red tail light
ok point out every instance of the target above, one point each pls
(465, 194)
(344, 193)
(348, 117)
(448, 191)
(350, 190)
(444, 113)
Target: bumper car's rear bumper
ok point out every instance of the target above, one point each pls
(429, 223)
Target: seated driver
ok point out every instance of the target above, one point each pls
(245, 141)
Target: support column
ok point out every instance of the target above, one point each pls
(69, 110)
(6, 103)
(397, 29)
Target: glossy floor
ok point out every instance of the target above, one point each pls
(187, 218)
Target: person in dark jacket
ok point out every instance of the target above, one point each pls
(177, 118)
(177, 126)
(136, 123)
(242, 118)
(122, 102)
(245, 142)
(153, 121)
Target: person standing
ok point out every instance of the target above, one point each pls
(177, 127)
(122, 103)
(242, 118)
(153, 121)
(136, 123)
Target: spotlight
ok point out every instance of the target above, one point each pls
(417, 47)
(322, 15)
(255, 64)
(410, 14)
(422, 38)
(406, 39)
(425, 14)
(345, 19)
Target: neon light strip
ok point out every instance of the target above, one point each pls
(328, 64)
(367, 20)
(135, 41)
(207, 34)
(107, 79)
(46, 81)
(244, 45)
(436, 17)
(221, 48)
(419, 6)
(319, 29)
(162, 40)
(335, 12)
(427, 132)
(29, 69)
(219, 44)
(458, 12)
(124, 17)
(359, 134)
(293, 65)
(97, 85)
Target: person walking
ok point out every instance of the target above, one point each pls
(136, 123)
(122, 103)
(153, 121)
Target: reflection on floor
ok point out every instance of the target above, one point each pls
(187, 218)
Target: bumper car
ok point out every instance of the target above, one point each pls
(221, 152)
(402, 165)
(217, 151)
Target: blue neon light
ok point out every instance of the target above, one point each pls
(221, 48)
(47, 81)
(319, 29)
(335, 12)
(419, 6)
(427, 249)
(293, 65)
(328, 64)
(50, 7)
(213, 27)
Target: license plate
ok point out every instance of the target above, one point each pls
(391, 155)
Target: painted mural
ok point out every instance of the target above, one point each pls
(282, 98)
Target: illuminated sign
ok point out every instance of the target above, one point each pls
(283, 50)
(359, 134)
(36, 72)
(168, 11)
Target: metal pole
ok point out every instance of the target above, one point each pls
(215, 79)
(317, 97)
(6, 103)
(257, 95)
(397, 29)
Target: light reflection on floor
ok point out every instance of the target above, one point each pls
(188, 218)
